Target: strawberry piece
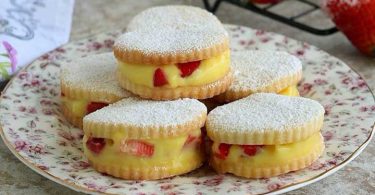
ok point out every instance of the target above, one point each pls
(265, 1)
(96, 145)
(159, 78)
(137, 148)
(186, 69)
(190, 140)
(250, 150)
(93, 106)
(223, 151)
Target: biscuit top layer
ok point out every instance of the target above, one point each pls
(94, 74)
(173, 16)
(264, 113)
(148, 118)
(172, 34)
(256, 70)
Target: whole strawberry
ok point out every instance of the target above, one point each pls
(356, 19)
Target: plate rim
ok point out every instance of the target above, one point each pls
(281, 190)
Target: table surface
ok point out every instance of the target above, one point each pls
(96, 16)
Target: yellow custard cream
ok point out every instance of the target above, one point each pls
(80, 107)
(209, 71)
(290, 91)
(270, 155)
(162, 152)
(76, 107)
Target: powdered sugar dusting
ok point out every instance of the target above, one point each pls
(170, 41)
(173, 16)
(172, 29)
(147, 113)
(94, 73)
(264, 111)
(255, 70)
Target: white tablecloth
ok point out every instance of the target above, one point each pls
(30, 28)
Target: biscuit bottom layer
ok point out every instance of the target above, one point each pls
(290, 91)
(145, 158)
(262, 161)
(201, 73)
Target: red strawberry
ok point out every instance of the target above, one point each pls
(159, 78)
(223, 151)
(186, 69)
(356, 20)
(250, 150)
(137, 148)
(93, 106)
(190, 140)
(265, 1)
(96, 145)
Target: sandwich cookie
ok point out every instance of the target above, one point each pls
(89, 84)
(170, 63)
(143, 139)
(258, 71)
(265, 135)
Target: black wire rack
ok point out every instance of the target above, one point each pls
(265, 11)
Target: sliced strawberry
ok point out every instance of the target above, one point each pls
(93, 106)
(186, 69)
(192, 139)
(251, 150)
(96, 145)
(137, 148)
(159, 78)
(223, 151)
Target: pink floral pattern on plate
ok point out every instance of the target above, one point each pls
(36, 132)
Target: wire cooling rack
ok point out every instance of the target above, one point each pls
(265, 10)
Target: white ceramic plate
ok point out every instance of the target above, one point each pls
(35, 131)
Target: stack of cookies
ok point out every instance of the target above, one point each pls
(141, 108)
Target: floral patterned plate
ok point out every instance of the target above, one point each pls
(34, 129)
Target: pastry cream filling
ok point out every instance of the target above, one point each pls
(166, 152)
(270, 155)
(81, 107)
(209, 71)
(76, 107)
(290, 91)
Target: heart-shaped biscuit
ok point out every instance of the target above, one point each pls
(82, 91)
(265, 119)
(258, 71)
(172, 34)
(141, 119)
(175, 17)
